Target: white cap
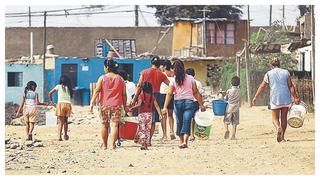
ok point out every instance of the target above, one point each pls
(50, 46)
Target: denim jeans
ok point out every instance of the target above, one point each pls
(184, 110)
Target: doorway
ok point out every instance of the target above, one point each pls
(70, 70)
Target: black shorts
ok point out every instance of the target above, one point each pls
(155, 115)
(196, 108)
(163, 99)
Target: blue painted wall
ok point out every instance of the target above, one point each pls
(95, 70)
(32, 72)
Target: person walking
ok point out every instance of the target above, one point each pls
(281, 90)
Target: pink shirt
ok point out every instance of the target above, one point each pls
(184, 91)
(111, 92)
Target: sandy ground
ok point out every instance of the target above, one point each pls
(254, 152)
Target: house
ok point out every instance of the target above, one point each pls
(82, 72)
(86, 41)
(223, 39)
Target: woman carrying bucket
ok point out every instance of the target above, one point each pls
(113, 98)
(185, 90)
(281, 90)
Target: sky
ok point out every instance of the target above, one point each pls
(259, 14)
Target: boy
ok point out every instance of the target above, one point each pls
(232, 111)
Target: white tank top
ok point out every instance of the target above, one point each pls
(163, 87)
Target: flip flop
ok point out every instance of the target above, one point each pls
(172, 136)
(66, 137)
(279, 135)
(226, 134)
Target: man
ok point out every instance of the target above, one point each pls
(155, 77)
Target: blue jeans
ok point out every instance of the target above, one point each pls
(184, 110)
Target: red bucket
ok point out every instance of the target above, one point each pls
(128, 130)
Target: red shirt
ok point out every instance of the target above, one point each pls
(111, 92)
(155, 77)
(146, 106)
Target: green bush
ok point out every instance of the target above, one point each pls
(226, 73)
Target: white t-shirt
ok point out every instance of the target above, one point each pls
(199, 86)
(130, 90)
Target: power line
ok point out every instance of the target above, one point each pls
(72, 14)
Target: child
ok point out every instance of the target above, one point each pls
(145, 102)
(63, 108)
(191, 72)
(29, 102)
(232, 111)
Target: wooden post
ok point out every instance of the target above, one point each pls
(136, 15)
(313, 51)
(44, 55)
(247, 73)
(238, 65)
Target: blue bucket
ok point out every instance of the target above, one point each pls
(219, 107)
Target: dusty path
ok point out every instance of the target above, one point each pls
(255, 152)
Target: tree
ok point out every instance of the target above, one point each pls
(303, 9)
(167, 14)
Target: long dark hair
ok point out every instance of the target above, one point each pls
(147, 89)
(31, 85)
(65, 82)
(178, 68)
(111, 65)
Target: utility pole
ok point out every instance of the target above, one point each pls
(44, 55)
(247, 57)
(313, 51)
(270, 20)
(283, 13)
(136, 23)
(29, 16)
(204, 43)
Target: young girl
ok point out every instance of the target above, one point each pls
(29, 102)
(145, 102)
(63, 108)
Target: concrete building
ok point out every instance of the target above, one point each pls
(81, 41)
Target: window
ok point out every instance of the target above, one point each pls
(14, 79)
(125, 47)
(220, 33)
(230, 34)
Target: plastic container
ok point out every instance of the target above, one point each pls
(128, 130)
(297, 114)
(86, 97)
(219, 107)
(51, 118)
(203, 124)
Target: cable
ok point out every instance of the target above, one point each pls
(71, 14)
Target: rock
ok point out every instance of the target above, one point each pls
(27, 167)
(7, 140)
(37, 140)
(38, 144)
(93, 151)
(64, 171)
(14, 146)
(48, 171)
(130, 165)
(28, 143)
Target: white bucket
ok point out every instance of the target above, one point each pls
(204, 118)
(297, 114)
(51, 118)
(203, 124)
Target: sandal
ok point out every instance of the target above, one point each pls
(172, 136)
(66, 137)
(104, 147)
